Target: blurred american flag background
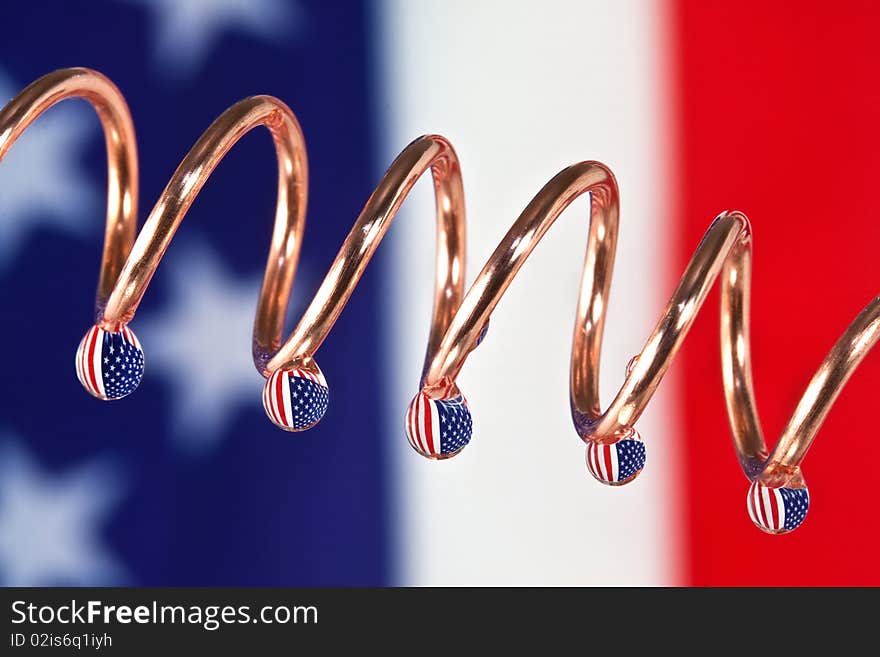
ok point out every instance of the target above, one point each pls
(698, 107)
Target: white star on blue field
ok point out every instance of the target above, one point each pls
(185, 33)
(51, 522)
(136, 491)
(43, 183)
(200, 343)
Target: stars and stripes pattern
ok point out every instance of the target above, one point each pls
(438, 428)
(296, 400)
(777, 510)
(110, 364)
(617, 463)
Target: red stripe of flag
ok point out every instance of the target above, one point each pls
(776, 115)
(759, 503)
(409, 425)
(774, 508)
(90, 360)
(429, 425)
(279, 396)
(419, 427)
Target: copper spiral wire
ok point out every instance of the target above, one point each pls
(122, 161)
(778, 497)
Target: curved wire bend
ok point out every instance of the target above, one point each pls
(778, 498)
(122, 162)
(428, 152)
(186, 183)
(438, 422)
(296, 395)
(109, 359)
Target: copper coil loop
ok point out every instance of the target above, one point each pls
(438, 421)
